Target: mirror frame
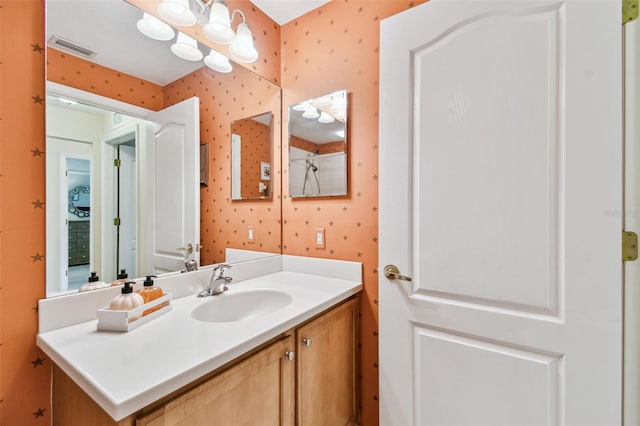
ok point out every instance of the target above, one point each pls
(314, 134)
(256, 166)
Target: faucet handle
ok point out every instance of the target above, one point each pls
(221, 267)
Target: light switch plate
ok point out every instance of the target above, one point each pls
(320, 238)
(251, 235)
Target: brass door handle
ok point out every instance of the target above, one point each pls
(393, 273)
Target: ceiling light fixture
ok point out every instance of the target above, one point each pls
(219, 30)
(216, 22)
(242, 47)
(186, 48)
(154, 28)
(177, 12)
(218, 62)
(310, 112)
(326, 118)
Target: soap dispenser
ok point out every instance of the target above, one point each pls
(127, 300)
(150, 292)
(93, 283)
(122, 278)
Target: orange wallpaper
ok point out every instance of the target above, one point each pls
(225, 223)
(324, 148)
(331, 48)
(266, 35)
(255, 149)
(223, 99)
(75, 72)
(25, 372)
(334, 47)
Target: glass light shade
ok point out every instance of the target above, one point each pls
(310, 112)
(242, 49)
(186, 48)
(177, 12)
(218, 62)
(302, 106)
(323, 101)
(155, 28)
(326, 118)
(218, 29)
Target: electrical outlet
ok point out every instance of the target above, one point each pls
(251, 235)
(320, 243)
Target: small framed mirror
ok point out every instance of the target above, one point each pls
(251, 155)
(318, 146)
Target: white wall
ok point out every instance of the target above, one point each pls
(331, 173)
(69, 134)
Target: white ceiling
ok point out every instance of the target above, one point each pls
(283, 11)
(108, 27)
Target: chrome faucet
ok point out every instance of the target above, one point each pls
(218, 282)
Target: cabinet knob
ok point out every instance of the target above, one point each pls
(307, 342)
(290, 355)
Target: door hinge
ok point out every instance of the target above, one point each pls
(116, 162)
(629, 11)
(629, 246)
(116, 221)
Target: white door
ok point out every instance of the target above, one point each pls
(171, 211)
(500, 195)
(127, 201)
(59, 150)
(236, 167)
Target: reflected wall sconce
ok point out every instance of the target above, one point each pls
(186, 48)
(177, 12)
(154, 28)
(216, 24)
(326, 109)
(218, 62)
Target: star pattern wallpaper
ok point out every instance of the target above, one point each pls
(331, 48)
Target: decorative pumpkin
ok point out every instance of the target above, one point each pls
(126, 301)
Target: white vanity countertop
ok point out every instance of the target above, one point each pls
(124, 372)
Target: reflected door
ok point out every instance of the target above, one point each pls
(127, 194)
(68, 213)
(500, 187)
(170, 213)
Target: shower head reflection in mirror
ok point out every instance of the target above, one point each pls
(318, 146)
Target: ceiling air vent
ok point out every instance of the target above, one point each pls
(70, 47)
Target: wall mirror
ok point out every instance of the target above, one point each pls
(69, 123)
(318, 146)
(251, 157)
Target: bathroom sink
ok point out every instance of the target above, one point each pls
(231, 307)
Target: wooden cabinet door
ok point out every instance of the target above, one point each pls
(259, 390)
(326, 368)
